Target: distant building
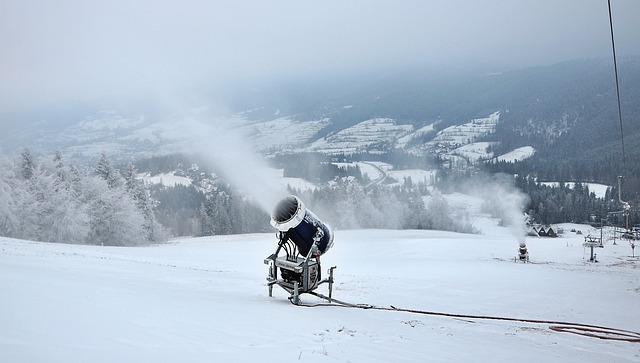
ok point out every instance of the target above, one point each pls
(542, 231)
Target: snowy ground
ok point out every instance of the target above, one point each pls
(205, 300)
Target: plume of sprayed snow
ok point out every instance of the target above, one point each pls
(501, 199)
(230, 153)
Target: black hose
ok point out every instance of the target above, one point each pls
(588, 330)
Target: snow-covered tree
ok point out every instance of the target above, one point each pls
(27, 165)
(214, 216)
(386, 210)
(58, 163)
(106, 171)
(8, 220)
(131, 183)
(349, 197)
(114, 218)
(51, 201)
(416, 212)
(60, 215)
(155, 232)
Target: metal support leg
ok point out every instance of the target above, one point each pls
(296, 294)
(273, 276)
(331, 281)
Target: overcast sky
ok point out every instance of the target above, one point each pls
(52, 51)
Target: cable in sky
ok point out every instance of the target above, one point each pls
(615, 68)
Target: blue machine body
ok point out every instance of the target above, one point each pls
(302, 226)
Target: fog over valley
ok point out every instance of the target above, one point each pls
(180, 52)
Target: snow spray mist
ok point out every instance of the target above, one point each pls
(502, 200)
(230, 152)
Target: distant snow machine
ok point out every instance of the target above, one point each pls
(523, 253)
(303, 238)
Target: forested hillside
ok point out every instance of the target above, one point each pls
(570, 116)
(567, 112)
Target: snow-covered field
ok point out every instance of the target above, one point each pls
(518, 154)
(205, 300)
(468, 132)
(474, 151)
(166, 179)
(379, 171)
(359, 137)
(265, 135)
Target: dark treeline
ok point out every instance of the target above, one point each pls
(193, 211)
(551, 204)
(177, 208)
(577, 170)
(314, 167)
(556, 203)
(208, 206)
(569, 114)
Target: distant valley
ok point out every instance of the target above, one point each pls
(562, 117)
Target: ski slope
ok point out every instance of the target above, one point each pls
(205, 300)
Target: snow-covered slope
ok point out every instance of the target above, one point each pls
(474, 151)
(365, 136)
(205, 300)
(457, 135)
(282, 134)
(518, 154)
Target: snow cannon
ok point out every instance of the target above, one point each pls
(290, 216)
(523, 253)
(302, 239)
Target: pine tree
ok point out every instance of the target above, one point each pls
(207, 227)
(60, 216)
(107, 172)
(131, 183)
(438, 213)
(416, 216)
(214, 216)
(27, 165)
(114, 218)
(136, 189)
